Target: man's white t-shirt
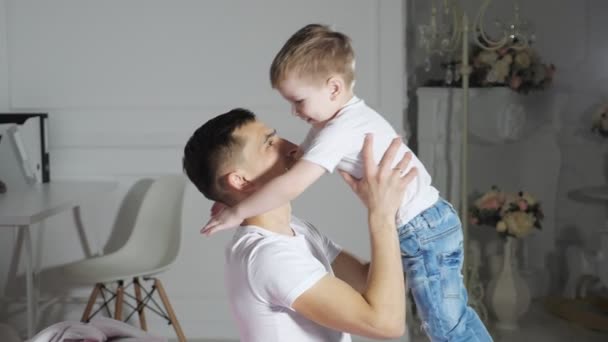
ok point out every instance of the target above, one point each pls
(265, 274)
(338, 145)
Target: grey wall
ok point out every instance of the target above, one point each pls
(126, 83)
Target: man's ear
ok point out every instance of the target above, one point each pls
(336, 86)
(236, 181)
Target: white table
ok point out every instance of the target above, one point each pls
(594, 193)
(21, 208)
(599, 262)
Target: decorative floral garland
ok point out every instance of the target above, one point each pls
(522, 70)
(510, 214)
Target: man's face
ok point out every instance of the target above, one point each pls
(265, 154)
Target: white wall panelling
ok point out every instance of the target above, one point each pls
(126, 83)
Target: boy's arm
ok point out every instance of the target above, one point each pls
(275, 193)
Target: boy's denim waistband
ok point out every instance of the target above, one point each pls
(429, 218)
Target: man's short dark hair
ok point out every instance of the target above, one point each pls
(209, 147)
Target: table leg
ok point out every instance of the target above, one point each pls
(30, 274)
(602, 256)
(12, 272)
(82, 235)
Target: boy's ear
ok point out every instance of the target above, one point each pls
(336, 86)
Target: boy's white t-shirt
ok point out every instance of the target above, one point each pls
(338, 145)
(266, 272)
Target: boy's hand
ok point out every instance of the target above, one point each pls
(223, 218)
(217, 207)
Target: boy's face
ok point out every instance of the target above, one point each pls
(310, 102)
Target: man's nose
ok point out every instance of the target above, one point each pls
(293, 150)
(295, 153)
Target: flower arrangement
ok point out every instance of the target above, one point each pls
(599, 123)
(519, 69)
(510, 214)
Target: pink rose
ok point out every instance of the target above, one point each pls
(550, 71)
(477, 62)
(515, 82)
(523, 205)
(491, 203)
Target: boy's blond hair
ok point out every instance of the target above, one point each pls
(314, 52)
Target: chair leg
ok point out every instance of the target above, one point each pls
(92, 299)
(119, 299)
(140, 312)
(163, 296)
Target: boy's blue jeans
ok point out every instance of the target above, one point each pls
(432, 255)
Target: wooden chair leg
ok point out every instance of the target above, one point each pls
(92, 299)
(119, 301)
(140, 312)
(163, 296)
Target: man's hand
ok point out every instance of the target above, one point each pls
(382, 188)
(223, 217)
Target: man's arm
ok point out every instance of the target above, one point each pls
(379, 310)
(351, 270)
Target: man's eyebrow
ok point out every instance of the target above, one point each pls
(270, 135)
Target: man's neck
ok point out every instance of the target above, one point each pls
(276, 221)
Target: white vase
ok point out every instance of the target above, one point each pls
(508, 295)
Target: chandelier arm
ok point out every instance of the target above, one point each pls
(523, 44)
(488, 43)
(456, 37)
(433, 18)
(457, 28)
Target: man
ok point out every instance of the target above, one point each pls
(286, 281)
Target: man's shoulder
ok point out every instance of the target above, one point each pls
(249, 240)
(256, 245)
(303, 227)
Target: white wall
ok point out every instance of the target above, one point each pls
(584, 83)
(126, 83)
(571, 34)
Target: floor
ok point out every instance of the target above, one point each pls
(537, 325)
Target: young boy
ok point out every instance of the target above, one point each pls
(314, 71)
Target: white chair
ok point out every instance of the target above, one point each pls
(150, 249)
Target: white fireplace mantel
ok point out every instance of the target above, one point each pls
(512, 144)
